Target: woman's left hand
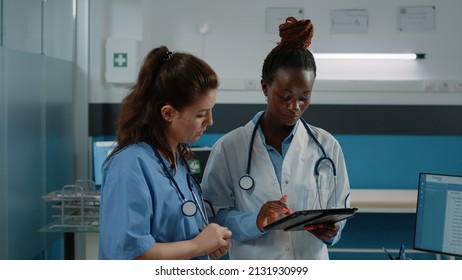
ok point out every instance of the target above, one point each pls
(323, 231)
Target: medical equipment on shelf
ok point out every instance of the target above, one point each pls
(78, 205)
(188, 207)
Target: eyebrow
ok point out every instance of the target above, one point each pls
(204, 110)
(304, 92)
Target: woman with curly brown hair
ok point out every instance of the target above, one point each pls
(290, 165)
(151, 205)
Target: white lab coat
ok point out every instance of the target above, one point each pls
(228, 162)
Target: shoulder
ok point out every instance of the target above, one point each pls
(320, 131)
(323, 135)
(241, 133)
(236, 135)
(133, 153)
(136, 150)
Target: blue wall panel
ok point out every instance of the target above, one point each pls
(395, 161)
(390, 161)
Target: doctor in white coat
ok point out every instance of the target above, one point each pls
(293, 165)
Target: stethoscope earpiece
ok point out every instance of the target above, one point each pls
(246, 182)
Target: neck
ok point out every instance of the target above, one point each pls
(172, 161)
(274, 135)
(271, 127)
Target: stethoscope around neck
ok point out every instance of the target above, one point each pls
(188, 207)
(246, 182)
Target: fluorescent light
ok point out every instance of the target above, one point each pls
(370, 56)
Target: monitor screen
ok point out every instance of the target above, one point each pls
(199, 160)
(101, 149)
(438, 227)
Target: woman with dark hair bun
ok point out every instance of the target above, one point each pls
(151, 205)
(277, 162)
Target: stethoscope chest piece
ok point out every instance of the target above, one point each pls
(246, 182)
(189, 208)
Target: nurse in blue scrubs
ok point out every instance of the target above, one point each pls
(151, 206)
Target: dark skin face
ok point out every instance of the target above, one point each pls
(289, 95)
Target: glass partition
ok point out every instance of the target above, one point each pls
(59, 29)
(36, 120)
(49, 28)
(24, 141)
(1, 23)
(3, 201)
(22, 21)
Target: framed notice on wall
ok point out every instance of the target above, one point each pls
(349, 21)
(416, 19)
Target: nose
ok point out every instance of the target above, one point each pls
(294, 106)
(209, 119)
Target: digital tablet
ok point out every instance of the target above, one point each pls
(297, 220)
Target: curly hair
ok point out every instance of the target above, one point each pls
(292, 51)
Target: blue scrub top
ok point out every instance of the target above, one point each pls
(141, 206)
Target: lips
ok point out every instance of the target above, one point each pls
(291, 118)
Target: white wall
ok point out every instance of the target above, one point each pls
(237, 44)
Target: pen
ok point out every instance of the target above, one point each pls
(402, 253)
(390, 257)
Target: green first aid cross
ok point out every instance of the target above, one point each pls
(120, 60)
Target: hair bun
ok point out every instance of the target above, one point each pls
(296, 33)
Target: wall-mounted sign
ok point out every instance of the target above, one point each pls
(416, 19)
(349, 21)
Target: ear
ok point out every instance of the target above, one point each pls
(264, 87)
(168, 113)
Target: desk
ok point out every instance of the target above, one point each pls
(384, 200)
(397, 206)
(367, 200)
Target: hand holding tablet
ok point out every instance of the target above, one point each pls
(299, 219)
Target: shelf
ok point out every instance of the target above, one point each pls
(76, 206)
(58, 227)
(384, 200)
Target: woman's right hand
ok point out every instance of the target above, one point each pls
(220, 252)
(270, 211)
(213, 240)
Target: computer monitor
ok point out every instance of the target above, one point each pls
(101, 148)
(438, 227)
(197, 164)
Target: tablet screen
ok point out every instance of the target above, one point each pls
(297, 220)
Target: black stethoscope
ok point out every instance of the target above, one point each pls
(246, 182)
(188, 207)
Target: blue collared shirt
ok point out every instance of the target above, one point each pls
(275, 156)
